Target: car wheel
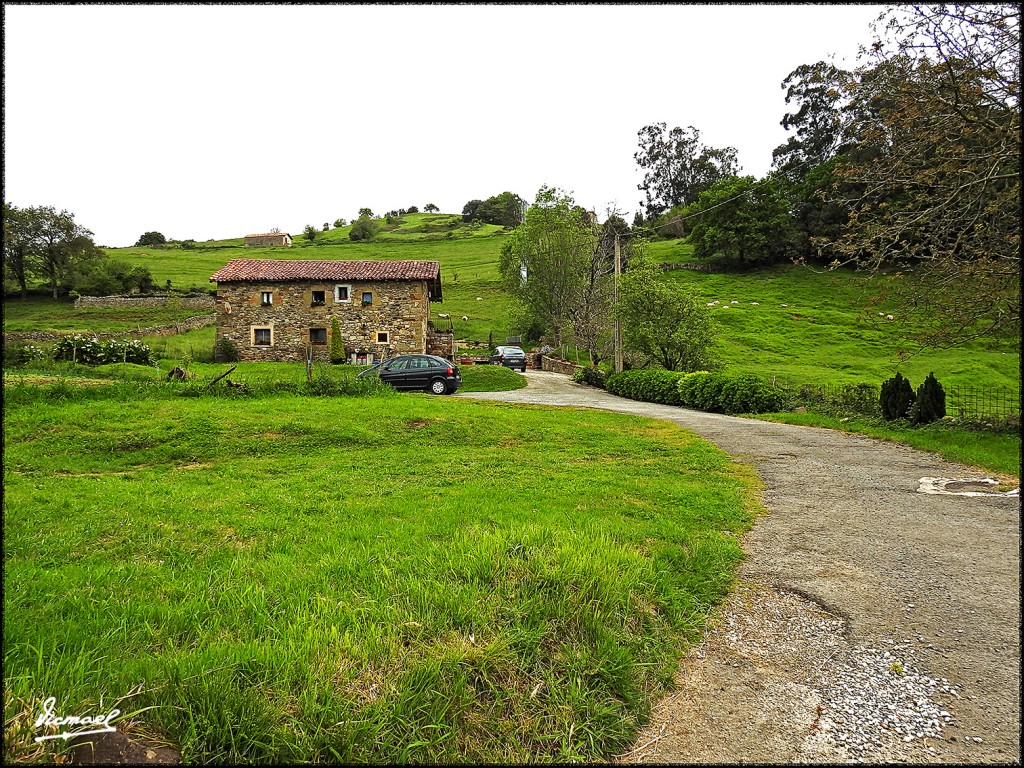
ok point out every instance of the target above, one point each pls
(438, 387)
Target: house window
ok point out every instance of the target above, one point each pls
(367, 298)
(317, 335)
(319, 298)
(343, 293)
(383, 337)
(262, 337)
(267, 298)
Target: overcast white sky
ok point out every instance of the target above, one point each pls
(218, 121)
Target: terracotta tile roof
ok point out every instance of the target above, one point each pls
(273, 270)
(271, 234)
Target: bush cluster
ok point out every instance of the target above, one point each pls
(590, 374)
(93, 351)
(18, 355)
(722, 393)
(651, 385)
(899, 401)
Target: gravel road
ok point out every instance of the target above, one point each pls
(871, 622)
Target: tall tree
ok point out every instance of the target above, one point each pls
(546, 262)
(21, 245)
(62, 244)
(678, 167)
(935, 190)
(743, 219)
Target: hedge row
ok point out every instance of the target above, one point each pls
(715, 392)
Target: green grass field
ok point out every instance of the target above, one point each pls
(378, 579)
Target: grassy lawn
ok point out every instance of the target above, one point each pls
(994, 452)
(829, 332)
(60, 316)
(400, 578)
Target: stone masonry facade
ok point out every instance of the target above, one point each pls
(282, 310)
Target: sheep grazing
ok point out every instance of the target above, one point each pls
(735, 302)
(479, 298)
(881, 314)
(755, 304)
(783, 305)
(711, 303)
(464, 318)
(443, 316)
(889, 317)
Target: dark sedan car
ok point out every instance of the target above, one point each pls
(510, 357)
(428, 372)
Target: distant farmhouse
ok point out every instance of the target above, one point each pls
(281, 310)
(271, 238)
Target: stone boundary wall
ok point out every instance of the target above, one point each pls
(186, 302)
(558, 366)
(188, 324)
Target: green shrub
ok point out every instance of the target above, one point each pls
(337, 343)
(896, 398)
(930, 404)
(650, 385)
(721, 393)
(589, 374)
(18, 355)
(702, 390)
(225, 351)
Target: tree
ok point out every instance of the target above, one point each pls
(366, 212)
(743, 219)
(678, 167)
(364, 228)
(412, 209)
(505, 210)
(664, 322)
(151, 239)
(62, 244)
(339, 223)
(430, 208)
(546, 263)
(21, 245)
(821, 119)
(310, 232)
(326, 226)
(935, 190)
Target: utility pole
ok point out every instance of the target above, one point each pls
(615, 299)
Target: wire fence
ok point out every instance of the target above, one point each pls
(962, 401)
(983, 402)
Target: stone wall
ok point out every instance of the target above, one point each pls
(188, 324)
(186, 302)
(398, 310)
(558, 366)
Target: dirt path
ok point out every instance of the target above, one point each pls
(871, 622)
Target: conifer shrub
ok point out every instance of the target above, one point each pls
(337, 343)
(896, 398)
(930, 403)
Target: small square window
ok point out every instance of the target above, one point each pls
(367, 298)
(342, 293)
(319, 298)
(268, 298)
(317, 335)
(383, 337)
(261, 337)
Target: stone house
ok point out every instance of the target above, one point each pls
(281, 310)
(269, 239)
